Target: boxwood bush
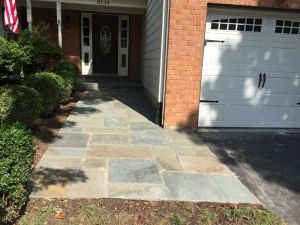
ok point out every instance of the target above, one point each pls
(68, 71)
(16, 157)
(19, 104)
(49, 86)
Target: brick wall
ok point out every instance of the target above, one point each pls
(185, 56)
(135, 42)
(71, 33)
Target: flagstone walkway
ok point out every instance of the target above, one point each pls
(110, 148)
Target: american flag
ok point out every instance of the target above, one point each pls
(10, 15)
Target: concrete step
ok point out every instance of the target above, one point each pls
(107, 83)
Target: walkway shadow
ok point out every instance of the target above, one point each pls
(42, 178)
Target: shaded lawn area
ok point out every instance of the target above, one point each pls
(129, 212)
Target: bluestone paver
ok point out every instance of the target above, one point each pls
(71, 140)
(133, 171)
(193, 187)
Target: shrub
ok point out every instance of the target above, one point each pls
(18, 104)
(42, 51)
(12, 57)
(68, 71)
(48, 87)
(16, 157)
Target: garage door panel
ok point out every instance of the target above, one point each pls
(211, 114)
(275, 100)
(294, 115)
(244, 113)
(213, 83)
(279, 56)
(245, 86)
(277, 86)
(276, 114)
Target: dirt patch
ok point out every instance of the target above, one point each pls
(129, 212)
(45, 129)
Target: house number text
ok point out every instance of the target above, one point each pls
(102, 2)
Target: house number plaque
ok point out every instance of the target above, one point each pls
(102, 2)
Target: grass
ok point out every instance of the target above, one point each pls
(39, 216)
(91, 214)
(119, 212)
(207, 217)
(257, 216)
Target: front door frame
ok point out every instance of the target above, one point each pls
(87, 44)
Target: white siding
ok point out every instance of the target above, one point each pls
(151, 48)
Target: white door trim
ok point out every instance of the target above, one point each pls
(87, 50)
(123, 49)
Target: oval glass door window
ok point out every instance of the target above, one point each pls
(105, 39)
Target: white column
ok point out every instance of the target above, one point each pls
(59, 23)
(29, 13)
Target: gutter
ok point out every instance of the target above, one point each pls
(163, 62)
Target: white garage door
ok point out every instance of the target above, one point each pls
(251, 70)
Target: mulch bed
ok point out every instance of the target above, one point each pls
(127, 212)
(45, 129)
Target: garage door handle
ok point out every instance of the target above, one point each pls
(298, 103)
(259, 81)
(209, 101)
(264, 80)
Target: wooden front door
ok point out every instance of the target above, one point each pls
(105, 44)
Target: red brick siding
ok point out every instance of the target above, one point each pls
(135, 42)
(71, 34)
(185, 56)
(72, 37)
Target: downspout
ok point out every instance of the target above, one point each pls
(163, 62)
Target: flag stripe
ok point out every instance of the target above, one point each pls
(11, 16)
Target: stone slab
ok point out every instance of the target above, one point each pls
(139, 192)
(98, 139)
(105, 130)
(73, 130)
(119, 151)
(59, 162)
(116, 122)
(147, 134)
(209, 165)
(234, 190)
(193, 187)
(94, 187)
(65, 152)
(54, 183)
(71, 140)
(166, 158)
(133, 171)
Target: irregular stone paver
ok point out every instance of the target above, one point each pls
(108, 147)
(193, 187)
(93, 187)
(66, 152)
(119, 151)
(98, 139)
(147, 192)
(203, 165)
(71, 140)
(115, 122)
(147, 134)
(234, 190)
(133, 171)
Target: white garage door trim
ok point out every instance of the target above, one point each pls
(230, 96)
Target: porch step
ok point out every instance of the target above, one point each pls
(107, 83)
